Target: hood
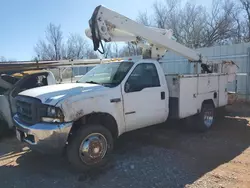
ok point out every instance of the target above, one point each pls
(52, 94)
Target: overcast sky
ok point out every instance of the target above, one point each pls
(23, 21)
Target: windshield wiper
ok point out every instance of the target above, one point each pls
(92, 82)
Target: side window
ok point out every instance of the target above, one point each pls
(143, 76)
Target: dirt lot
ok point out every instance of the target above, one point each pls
(158, 156)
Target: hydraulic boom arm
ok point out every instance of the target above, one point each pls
(111, 26)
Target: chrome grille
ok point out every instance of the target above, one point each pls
(30, 110)
(24, 111)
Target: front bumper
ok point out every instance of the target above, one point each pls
(44, 137)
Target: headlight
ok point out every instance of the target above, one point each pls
(51, 111)
(53, 114)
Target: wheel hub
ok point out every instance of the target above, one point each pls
(93, 148)
(208, 118)
(96, 150)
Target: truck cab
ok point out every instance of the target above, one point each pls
(141, 88)
(11, 85)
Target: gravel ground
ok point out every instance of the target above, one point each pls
(158, 156)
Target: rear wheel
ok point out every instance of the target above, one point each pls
(204, 120)
(90, 147)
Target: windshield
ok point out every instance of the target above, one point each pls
(109, 74)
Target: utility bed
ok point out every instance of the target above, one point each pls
(186, 92)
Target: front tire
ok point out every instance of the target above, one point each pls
(90, 147)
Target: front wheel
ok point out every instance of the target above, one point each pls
(90, 147)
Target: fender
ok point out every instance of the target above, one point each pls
(77, 106)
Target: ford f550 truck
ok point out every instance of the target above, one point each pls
(85, 118)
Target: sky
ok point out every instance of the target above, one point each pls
(23, 22)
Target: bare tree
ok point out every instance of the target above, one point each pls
(91, 54)
(9, 60)
(187, 23)
(76, 47)
(111, 50)
(191, 23)
(165, 11)
(130, 49)
(144, 19)
(64, 54)
(2, 59)
(239, 24)
(44, 51)
(124, 51)
(115, 50)
(220, 24)
(107, 48)
(194, 26)
(54, 38)
(50, 49)
(246, 8)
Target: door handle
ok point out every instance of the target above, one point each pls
(128, 113)
(163, 95)
(115, 100)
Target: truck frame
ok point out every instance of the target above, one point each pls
(85, 118)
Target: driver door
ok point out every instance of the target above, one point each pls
(144, 102)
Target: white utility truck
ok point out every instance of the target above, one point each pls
(85, 118)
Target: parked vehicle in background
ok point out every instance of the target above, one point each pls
(11, 85)
(16, 77)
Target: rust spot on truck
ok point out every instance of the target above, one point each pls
(77, 115)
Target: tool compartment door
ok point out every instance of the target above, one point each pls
(187, 98)
(194, 89)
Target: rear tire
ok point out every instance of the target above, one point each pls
(203, 121)
(206, 118)
(90, 147)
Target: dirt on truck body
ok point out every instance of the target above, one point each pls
(158, 156)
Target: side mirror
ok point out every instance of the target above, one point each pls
(15, 93)
(127, 87)
(133, 87)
